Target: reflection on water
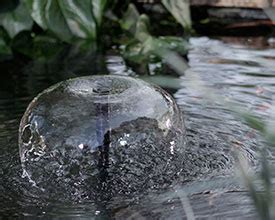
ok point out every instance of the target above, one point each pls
(243, 73)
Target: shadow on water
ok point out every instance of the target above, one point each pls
(213, 134)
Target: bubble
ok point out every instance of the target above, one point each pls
(101, 133)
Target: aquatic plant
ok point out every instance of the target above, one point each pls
(43, 25)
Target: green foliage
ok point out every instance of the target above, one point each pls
(79, 23)
(16, 21)
(145, 48)
(180, 10)
(164, 81)
(69, 20)
(260, 188)
(4, 48)
(138, 52)
(176, 44)
(98, 10)
(36, 9)
(253, 121)
(130, 17)
(266, 129)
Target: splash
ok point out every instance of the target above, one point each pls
(95, 134)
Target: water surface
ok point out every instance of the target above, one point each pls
(236, 71)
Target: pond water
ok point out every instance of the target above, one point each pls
(242, 71)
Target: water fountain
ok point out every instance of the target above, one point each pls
(94, 134)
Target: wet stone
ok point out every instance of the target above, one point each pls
(97, 136)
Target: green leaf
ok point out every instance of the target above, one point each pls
(56, 21)
(130, 18)
(146, 47)
(69, 20)
(180, 9)
(253, 122)
(134, 52)
(140, 52)
(176, 44)
(16, 20)
(37, 10)
(142, 28)
(270, 130)
(79, 18)
(4, 48)
(164, 81)
(98, 10)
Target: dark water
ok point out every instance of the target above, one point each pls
(243, 73)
